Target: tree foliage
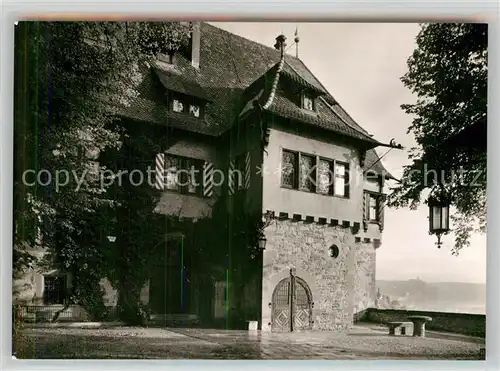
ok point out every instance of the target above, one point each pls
(448, 74)
(70, 77)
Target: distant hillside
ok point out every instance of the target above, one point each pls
(436, 296)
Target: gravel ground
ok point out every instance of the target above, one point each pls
(160, 343)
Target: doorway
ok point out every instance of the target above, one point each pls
(291, 306)
(169, 281)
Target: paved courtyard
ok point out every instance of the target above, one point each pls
(362, 342)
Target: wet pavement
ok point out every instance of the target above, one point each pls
(361, 342)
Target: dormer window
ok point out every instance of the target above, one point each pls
(194, 110)
(177, 106)
(308, 102)
(185, 104)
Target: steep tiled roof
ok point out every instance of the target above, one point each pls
(324, 118)
(373, 163)
(180, 84)
(229, 64)
(295, 76)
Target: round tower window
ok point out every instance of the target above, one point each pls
(334, 251)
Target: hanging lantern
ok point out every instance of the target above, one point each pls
(262, 243)
(439, 216)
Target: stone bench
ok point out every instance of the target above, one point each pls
(419, 324)
(253, 325)
(397, 324)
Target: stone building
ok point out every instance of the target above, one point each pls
(226, 103)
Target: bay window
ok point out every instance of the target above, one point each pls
(312, 173)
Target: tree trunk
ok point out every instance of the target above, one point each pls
(129, 306)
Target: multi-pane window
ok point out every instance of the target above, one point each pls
(314, 174)
(325, 176)
(171, 169)
(372, 207)
(183, 174)
(54, 289)
(289, 169)
(307, 178)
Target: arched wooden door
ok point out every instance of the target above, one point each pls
(291, 305)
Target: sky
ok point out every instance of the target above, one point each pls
(360, 64)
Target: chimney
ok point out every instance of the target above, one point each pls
(195, 45)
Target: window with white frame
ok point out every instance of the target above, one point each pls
(308, 102)
(341, 185)
(372, 206)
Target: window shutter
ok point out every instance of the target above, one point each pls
(248, 165)
(380, 211)
(347, 181)
(208, 179)
(230, 178)
(159, 171)
(366, 209)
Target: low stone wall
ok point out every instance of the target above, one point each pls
(461, 323)
(45, 313)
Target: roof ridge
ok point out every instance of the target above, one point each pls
(271, 48)
(242, 37)
(275, 82)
